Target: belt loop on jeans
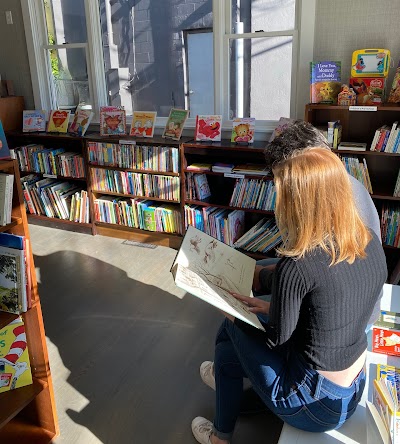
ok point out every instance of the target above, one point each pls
(318, 385)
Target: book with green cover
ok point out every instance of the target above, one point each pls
(176, 121)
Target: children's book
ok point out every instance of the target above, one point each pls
(81, 121)
(15, 369)
(202, 188)
(377, 432)
(4, 149)
(33, 120)
(58, 121)
(243, 130)
(175, 123)
(112, 121)
(325, 82)
(12, 280)
(283, 123)
(211, 271)
(143, 123)
(208, 128)
(6, 195)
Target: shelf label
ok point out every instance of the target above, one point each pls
(51, 176)
(127, 142)
(234, 175)
(363, 108)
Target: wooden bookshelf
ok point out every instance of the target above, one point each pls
(383, 168)
(28, 414)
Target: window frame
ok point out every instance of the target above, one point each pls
(303, 44)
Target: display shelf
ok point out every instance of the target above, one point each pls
(28, 414)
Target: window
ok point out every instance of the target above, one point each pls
(238, 58)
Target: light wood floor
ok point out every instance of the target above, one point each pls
(124, 350)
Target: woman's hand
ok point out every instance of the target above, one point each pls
(255, 305)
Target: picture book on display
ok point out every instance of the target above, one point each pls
(15, 369)
(58, 121)
(112, 121)
(33, 120)
(325, 82)
(4, 149)
(211, 271)
(81, 121)
(143, 123)
(208, 128)
(175, 123)
(243, 130)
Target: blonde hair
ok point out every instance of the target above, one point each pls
(315, 207)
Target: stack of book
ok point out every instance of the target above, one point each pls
(199, 167)
(386, 397)
(261, 238)
(253, 169)
(358, 169)
(222, 167)
(386, 139)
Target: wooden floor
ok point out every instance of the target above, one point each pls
(124, 350)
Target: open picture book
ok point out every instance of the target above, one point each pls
(211, 270)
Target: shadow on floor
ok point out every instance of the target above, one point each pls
(133, 351)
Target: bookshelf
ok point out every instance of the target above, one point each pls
(222, 185)
(125, 171)
(48, 168)
(28, 414)
(383, 168)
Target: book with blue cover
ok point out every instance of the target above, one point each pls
(4, 149)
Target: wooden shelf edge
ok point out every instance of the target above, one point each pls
(23, 432)
(55, 219)
(132, 196)
(134, 170)
(14, 222)
(55, 176)
(14, 401)
(6, 318)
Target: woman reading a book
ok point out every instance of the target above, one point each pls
(308, 366)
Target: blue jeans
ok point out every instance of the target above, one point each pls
(296, 393)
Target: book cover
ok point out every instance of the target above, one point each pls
(15, 369)
(149, 219)
(4, 149)
(377, 432)
(386, 341)
(211, 270)
(325, 82)
(283, 123)
(81, 121)
(243, 130)
(208, 128)
(202, 188)
(12, 280)
(388, 408)
(394, 94)
(33, 120)
(6, 195)
(112, 121)
(58, 121)
(175, 123)
(143, 123)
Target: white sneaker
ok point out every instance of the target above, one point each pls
(207, 373)
(202, 430)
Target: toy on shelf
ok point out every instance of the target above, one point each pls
(370, 63)
(369, 90)
(347, 97)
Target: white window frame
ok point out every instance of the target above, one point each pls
(303, 44)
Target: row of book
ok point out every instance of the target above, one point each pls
(229, 227)
(245, 169)
(387, 139)
(254, 194)
(358, 169)
(136, 184)
(55, 198)
(224, 225)
(390, 226)
(52, 161)
(138, 213)
(138, 157)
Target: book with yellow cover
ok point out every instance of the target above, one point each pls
(143, 123)
(58, 121)
(15, 369)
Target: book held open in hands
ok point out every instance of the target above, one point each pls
(211, 270)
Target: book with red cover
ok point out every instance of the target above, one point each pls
(386, 341)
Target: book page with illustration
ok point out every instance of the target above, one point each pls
(211, 270)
